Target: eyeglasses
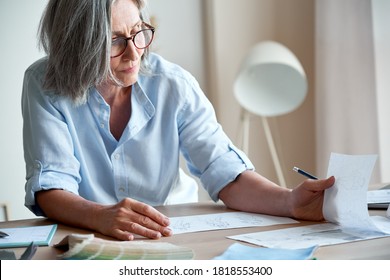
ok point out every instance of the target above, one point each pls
(141, 40)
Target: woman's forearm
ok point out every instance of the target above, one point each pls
(252, 192)
(69, 208)
(121, 220)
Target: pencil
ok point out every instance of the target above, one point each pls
(304, 173)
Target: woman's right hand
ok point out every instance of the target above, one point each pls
(130, 217)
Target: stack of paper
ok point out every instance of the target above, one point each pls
(379, 199)
(88, 247)
(345, 209)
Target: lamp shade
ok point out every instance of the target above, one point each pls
(271, 81)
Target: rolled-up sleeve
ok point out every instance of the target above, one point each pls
(48, 148)
(224, 170)
(209, 152)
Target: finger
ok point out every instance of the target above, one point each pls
(329, 182)
(320, 185)
(123, 235)
(151, 224)
(138, 229)
(150, 212)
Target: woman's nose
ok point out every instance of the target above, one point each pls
(131, 52)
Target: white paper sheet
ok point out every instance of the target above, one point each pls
(306, 236)
(345, 207)
(221, 221)
(346, 202)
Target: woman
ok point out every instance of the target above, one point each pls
(105, 122)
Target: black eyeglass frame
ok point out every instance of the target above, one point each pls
(132, 37)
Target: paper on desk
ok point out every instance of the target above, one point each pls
(306, 236)
(378, 196)
(243, 252)
(228, 220)
(345, 207)
(379, 199)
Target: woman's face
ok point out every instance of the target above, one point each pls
(125, 22)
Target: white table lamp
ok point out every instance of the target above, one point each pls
(271, 82)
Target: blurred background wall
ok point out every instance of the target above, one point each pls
(18, 27)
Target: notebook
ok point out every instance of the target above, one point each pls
(379, 199)
(23, 236)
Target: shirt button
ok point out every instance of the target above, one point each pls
(117, 156)
(149, 107)
(102, 125)
(122, 189)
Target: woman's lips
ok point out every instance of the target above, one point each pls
(130, 69)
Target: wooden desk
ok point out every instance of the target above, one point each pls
(207, 245)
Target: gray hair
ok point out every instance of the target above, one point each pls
(76, 36)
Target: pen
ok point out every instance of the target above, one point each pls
(30, 252)
(304, 173)
(3, 234)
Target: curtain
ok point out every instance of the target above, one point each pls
(381, 22)
(345, 92)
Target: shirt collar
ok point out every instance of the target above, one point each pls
(142, 108)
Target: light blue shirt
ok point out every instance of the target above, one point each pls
(71, 147)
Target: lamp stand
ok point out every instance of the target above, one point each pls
(274, 153)
(245, 124)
